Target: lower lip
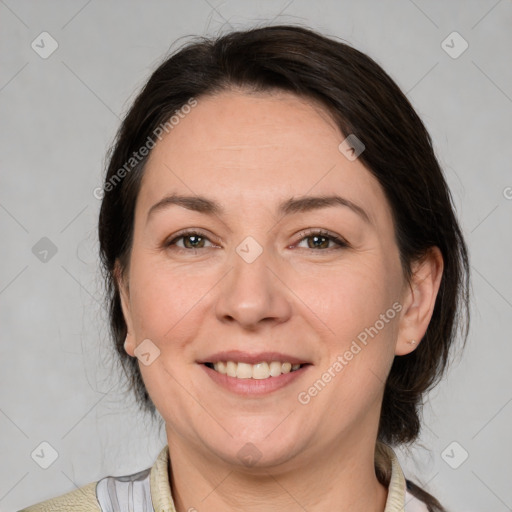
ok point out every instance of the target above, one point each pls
(253, 387)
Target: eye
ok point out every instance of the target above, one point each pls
(320, 239)
(191, 240)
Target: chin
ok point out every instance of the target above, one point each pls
(261, 449)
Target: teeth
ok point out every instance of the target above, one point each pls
(230, 368)
(258, 371)
(221, 367)
(244, 371)
(275, 369)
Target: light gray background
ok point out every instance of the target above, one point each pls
(59, 116)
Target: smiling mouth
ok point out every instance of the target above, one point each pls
(259, 371)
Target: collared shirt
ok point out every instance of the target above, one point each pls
(149, 491)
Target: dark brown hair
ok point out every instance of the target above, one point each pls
(364, 101)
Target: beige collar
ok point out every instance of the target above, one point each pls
(163, 502)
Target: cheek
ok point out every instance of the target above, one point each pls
(360, 307)
(166, 302)
(360, 311)
(351, 298)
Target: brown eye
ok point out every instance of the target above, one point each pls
(321, 239)
(318, 242)
(194, 241)
(191, 240)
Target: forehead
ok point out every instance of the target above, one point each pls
(254, 149)
(237, 124)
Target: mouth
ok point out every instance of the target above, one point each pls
(253, 374)
(259, 371)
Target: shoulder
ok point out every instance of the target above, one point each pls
(129, 492)
(82, 499)
(142, 491)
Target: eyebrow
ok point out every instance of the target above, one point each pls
(290, 206)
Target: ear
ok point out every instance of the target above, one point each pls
(124, 294)
(418, 300)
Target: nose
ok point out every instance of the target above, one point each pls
(253, 293)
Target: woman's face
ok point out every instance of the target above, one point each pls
(263, 280)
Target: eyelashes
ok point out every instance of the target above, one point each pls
(325, 235)
(197, 239)
(187, 234)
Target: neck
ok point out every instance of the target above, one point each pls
(337, 478)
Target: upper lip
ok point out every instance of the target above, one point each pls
(245, 357)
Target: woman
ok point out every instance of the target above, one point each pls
(286, 277)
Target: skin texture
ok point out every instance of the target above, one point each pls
(249, 152)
